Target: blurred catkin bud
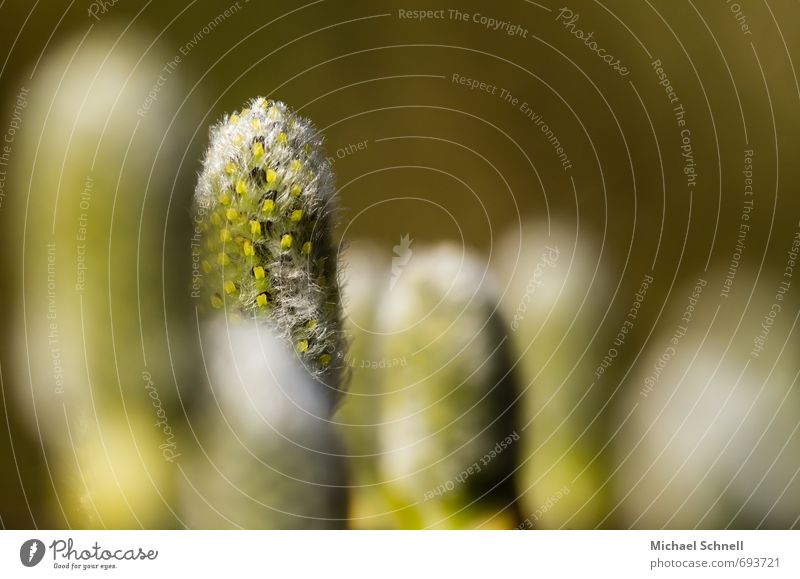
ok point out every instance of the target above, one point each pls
(366, 277)
(710, 416)
(265, 201)
(91, 204)
(556, 299)
(267, 456)
(448, 432)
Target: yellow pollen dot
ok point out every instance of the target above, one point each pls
(230, 287)
(216, 219)
(268, 206)
(297, 215)
(231, 214)
(225, 199)
(261, 300)
(325, 359)
(222, 259)
(272, 176)
(234, 119)
(258, 272)
(225, 235)
(230, 168)
(258, 149)
(216, 301)
(306, 249)
(255, 227)
(273, 112)
(295, 190)
(311, 324)
(302, 346)
(286, 241)
(248, 249)
(241, 187)
(295, 165)
(237, 140)
(256, 124)
(282, 138)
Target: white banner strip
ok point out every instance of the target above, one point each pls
(402, 554)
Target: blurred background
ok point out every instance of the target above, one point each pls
(568, 242)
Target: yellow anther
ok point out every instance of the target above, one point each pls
(286, 241)
(222, 259)
(216, 219)
(302, 346)
(306, 249)
(268, 206)
(255, 227)
(230, 287)
(272, 176)
(311, 324)
(230, 168)
(225, 199)
(295, 166)
(261, 300)
(249, 250)
(258, 272)
(283, 138)
(234, 119)
(258, 149)
(296, 215)
(325, 359)
(225, 235)
(237, 140)
(231, 214)
(216, 301)
(295, 190)
(241, 187)
(256, 124)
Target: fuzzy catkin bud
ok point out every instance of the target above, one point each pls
(264, 201)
